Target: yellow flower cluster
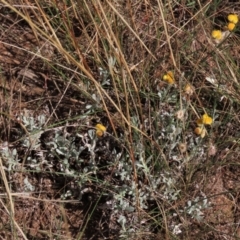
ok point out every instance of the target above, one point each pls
(189, 90)
(169, 78)
(233, 20)
(218, 35)
(201, 122)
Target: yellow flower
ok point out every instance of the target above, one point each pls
(231, 26)
(217, 34)
(100, 130)
(169, 77)
(201, 131)
(205, 119)
(233, 18)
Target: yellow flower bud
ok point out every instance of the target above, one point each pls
(233, 18)
(100, 130)
(201, 131)
(199, 122)
(231, 26)
(198, 130)
(169, 77)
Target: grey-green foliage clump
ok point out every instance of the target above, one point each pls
(65, 155)
(77, 156)
(57, 153)
(34, 127)
(10, 157)
(30, 141)
(64, 150)
(31, 123)
(195, 208)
